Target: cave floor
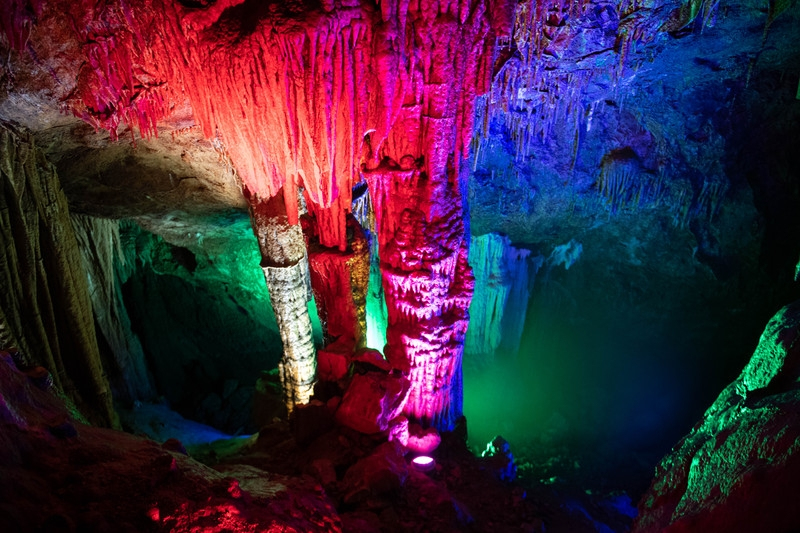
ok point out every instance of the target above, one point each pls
(551, 493)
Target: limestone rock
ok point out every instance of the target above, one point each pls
(503, 282)
(739, 468)
(45, 308)
(371, 359)
(422, 440)
(372, 401)
(383, 471)
(101, 253)
(501, 459)
(331, 365)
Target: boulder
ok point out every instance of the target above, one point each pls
(500, 459)
(739, 468)
(383, 471)
(331, 365)
(372, 401)
(309, 421)
(369, 359)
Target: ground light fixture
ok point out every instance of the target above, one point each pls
(423, 463)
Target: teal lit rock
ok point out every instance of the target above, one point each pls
(739, 468)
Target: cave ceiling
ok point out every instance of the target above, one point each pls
(671, 89)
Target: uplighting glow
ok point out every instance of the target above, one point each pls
(424, 463)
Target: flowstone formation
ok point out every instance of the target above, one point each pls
(503, 281)
(304, 100)
(428, 285)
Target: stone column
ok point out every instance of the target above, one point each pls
(428, 285)
(285, 265)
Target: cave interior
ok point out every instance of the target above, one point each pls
(386, 265)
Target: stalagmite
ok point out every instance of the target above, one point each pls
(428, 286)
(302, 96)
(285, 268)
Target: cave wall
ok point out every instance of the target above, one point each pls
(46, 309)
(738, 467)
(679, 187)
(103, 261)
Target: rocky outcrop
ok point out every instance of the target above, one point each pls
(372, 401)
(44, 295)
(739, 468)
(65, 476)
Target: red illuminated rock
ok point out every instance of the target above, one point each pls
(305, 97)
(292, 91)
(422, 441)
(427, 281)
(371, 359)
(398, 430)
(340, 280)
(310, 420)
(372, 401)
(332, 365)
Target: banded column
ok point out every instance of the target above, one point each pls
(285, 265)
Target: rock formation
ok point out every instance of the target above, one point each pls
(503, 281)
(645, 147)
(45, 306)
(335, 87)
(102, 259)
(285, 267)
(739, 468)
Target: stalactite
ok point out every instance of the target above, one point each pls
(101, 253)
(624, 184)
(44, 294)
(285, 266)
(502, 290)
(339, 281)
(302, 96)
(710, 197)
(292, 91)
